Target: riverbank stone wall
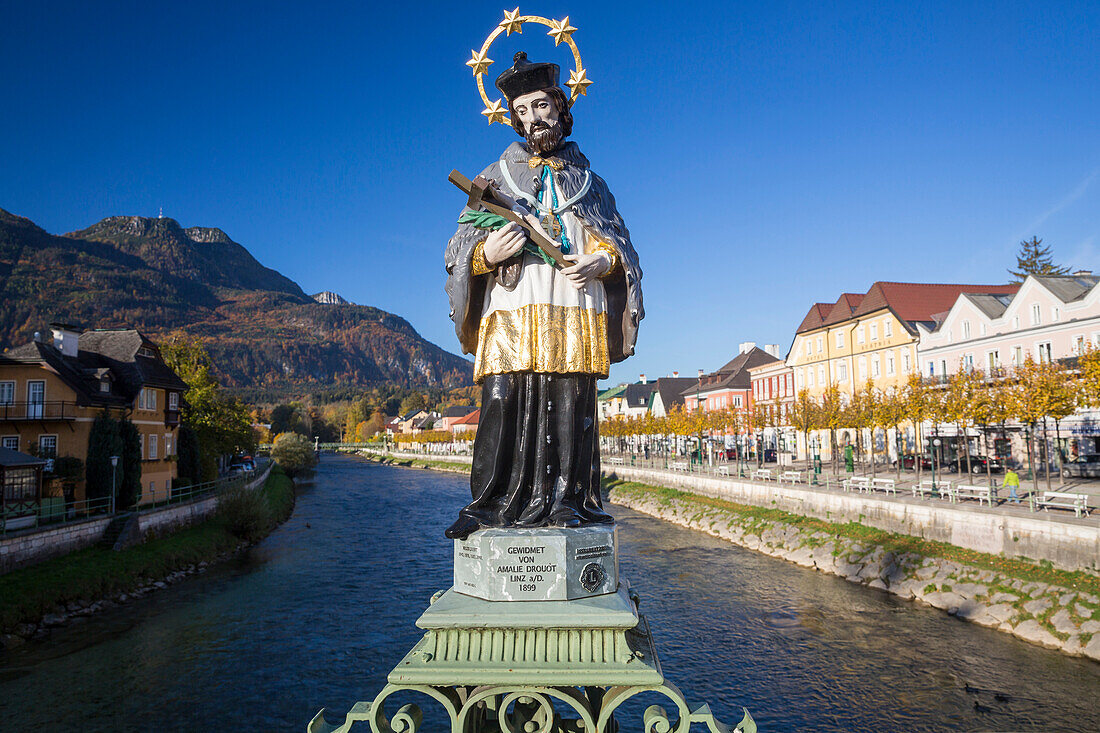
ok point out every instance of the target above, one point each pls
(1067, 542)
(1048, 615)
(32, 546)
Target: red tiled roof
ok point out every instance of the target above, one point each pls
(470, 419)
(910, 301)
(815, 317)
(920, 301)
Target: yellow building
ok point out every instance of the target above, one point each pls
(870, 336)
(51, 393)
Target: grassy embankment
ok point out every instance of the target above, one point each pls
(98, 573)
(749, 516)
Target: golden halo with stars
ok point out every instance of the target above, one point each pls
(560, 31)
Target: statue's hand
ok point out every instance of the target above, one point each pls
(585, 268)
(504, 243)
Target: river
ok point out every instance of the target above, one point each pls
(320, 611)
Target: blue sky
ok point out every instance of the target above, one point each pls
(764, 155)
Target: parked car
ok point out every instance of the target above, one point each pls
(978, 464)
(909, 460)
(770, 455)
(1084, 466)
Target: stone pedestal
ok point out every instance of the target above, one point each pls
(546, 564)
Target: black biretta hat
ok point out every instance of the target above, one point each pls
(525, 77)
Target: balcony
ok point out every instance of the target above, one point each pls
(37, 411)
(171, 418)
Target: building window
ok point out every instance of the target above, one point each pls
(153, 489)
(1015, 323)
(167, 444)
(105, 385)
(887, 328)
(1036, 315)
(981, 329)
(147, 399)
(1055, 314)
(842, 372)
(1017, 355)
(993, 360)
(840, 339)
(152, 447)
(905, 363)
(890, 364)
(1043, 350)
(11, 442)
(943, 367)
(821, 376)
(968, 361)
(36, 398)
(801, 379)
(20, 485)
(966, 329)
(809, 377)
(862, 368)
(931, 369)
(820, 344)
(859, 335)
(173, 400)
(1079, 345)
(875, 371)
(47, 446)
(874, 331)
(7, 393)
(737, 400)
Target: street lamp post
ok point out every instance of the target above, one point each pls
(114, 466)
(935, 451)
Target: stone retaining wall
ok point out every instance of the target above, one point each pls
(1049, 615)
(1067, 542)
(33, 546)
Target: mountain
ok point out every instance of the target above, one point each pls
(266, 336)
(329, 298)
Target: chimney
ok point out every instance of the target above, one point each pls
(772, 349)
(700, 374)
(675, 375)
(641, 378)
(746, 346)
(66, 338)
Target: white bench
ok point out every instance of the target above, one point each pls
(1064, 500)
(926, 488)
(971, 491)
(678, 465)
(857, 483)
(617, 460)
(794, 477)
(762, 474)
(884, 484)
(722, 470)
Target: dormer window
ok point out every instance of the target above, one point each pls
(105, 385)
(146, 351)
(173, 400)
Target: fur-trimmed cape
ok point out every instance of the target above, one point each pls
(596, 211)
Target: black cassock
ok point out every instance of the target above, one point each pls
(536, 454)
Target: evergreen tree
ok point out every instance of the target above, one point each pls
(129, 480)
(1035, 259)
(187, 448)
(103, 442)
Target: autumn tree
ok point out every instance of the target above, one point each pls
(959, 402)
(831, 412)
(916, 398)
(803, 416)
(1035, 259)
(222, 424)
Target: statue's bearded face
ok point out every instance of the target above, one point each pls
(540, 116)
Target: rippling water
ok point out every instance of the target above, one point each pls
(318, 613)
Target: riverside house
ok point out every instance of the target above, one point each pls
(50, 394)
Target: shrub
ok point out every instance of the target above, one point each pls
(246, 513)
(293, 453)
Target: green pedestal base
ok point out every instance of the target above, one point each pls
(536, 666)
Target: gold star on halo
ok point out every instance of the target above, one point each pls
(560, 30)
(578, 82)
(479, 61)
(495, 112)
(511, 23)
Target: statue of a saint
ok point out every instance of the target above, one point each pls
(542, 335)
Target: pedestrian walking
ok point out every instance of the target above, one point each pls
(1012, 482)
